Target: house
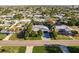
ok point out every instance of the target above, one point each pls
(5, 31)
(64, 30)
(58, 27)
(60, 16)
(25, 21)
(40, 27)
(9, 16)
(39, 19)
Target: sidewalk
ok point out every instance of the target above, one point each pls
(64, 49)
(29, 49)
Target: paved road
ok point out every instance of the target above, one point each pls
(38, 42)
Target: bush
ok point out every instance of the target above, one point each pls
(18, 16)
(0, 29)
(74, 32)
(77, 23)
(40, 33)
(54, 33)
(70, 23)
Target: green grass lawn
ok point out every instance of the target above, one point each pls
(14, 37)
(34, 38)
(63, 37)
(12, 49)
(46, 49)
(73, 49)
(77, 38)
(2, 36)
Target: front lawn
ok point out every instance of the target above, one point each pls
(46, 49)
(63, 37)
(34, 38)
(73, 49)
(76, 38)
(14, 37)
(12, 49)
(2, 36)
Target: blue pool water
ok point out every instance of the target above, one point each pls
(46, 34)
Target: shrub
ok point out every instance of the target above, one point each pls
(75, 32)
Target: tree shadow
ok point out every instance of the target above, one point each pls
(53, 48)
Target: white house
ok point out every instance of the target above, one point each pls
(39, 19)
(9, 16)
(62, 27)
(40, 27)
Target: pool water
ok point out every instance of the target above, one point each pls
(46, 35)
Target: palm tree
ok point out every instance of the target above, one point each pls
(53, 32)
(40, 32)
(32, 20)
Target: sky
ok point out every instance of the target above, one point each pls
(39, 2)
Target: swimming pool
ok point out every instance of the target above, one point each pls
(46, 34)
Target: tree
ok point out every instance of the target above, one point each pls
(77, 23)
(21, 34)
(33, 33)
(40, 32)
(0, 29)
(71, 23)
(49, 24)
(32, 20)
(29, 27)
(27, 34)
(6, 11)
(54, 33)
(18, 16)
(75, 32)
